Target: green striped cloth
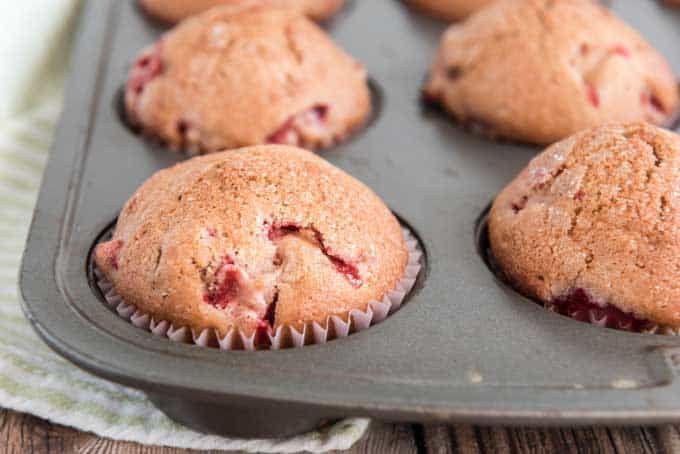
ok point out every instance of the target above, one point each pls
(32, 378)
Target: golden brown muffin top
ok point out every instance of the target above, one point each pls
(173, 11)
(598, 212)
(239, 76)
(450, 10)
(267, 235)
(541, 70)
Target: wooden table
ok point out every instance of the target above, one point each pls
(23, 434)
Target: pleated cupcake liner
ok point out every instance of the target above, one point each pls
(595, 317)
(285, 336)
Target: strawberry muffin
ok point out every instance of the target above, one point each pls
(173, 11)
(449, 10)
(235, 77)
(591, 228)
(253, 239)
(539, 70)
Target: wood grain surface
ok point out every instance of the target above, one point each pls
(21, 434)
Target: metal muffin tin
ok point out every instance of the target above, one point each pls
(464, 348)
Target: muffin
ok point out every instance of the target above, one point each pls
(253, 239)
(591, 228)
(173, 11)
(537, 71)
(449, 10)
(234, 77)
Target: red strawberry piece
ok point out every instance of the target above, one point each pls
(579, 305)
(147, 67)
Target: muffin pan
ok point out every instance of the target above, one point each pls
(464, 347)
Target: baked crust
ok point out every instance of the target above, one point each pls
(597, 214)
(450, 10)
(540, 70)
(240, 76)
(173, 11)
(263, 236)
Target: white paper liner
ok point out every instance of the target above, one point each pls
(665, 330)
(593, 319)
(285, 336)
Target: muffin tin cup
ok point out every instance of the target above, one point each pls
(465, 347)
(285, 336)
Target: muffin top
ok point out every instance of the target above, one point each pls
(596, 218)
(238, 76)
(257, 237)
(540, 70)
(173, 11)
(450, 9)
